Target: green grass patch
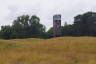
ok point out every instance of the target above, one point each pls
(7, 45)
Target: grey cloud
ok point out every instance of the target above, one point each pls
(45, 9)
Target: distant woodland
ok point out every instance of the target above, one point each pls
(26, 26)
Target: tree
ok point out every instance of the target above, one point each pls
(20, 27)
(6, 32)
(24, 26)
(67, 30)
(35, 27)
(27, 26)
(84, 25)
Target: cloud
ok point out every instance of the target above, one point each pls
(45, 9)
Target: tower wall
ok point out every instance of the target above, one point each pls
(57, 25)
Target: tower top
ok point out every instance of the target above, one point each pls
(57, 17)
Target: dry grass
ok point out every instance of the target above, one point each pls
(63, 50)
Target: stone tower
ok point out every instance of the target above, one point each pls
(57, 25)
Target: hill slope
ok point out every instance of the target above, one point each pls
(63, 50)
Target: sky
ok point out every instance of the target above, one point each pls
(44, 9)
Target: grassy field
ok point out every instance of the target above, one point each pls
(63, 50)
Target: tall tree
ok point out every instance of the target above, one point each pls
(67, 30)
(28, 26)
(85, 25)
(24, 26)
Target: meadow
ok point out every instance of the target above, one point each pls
(62, 50)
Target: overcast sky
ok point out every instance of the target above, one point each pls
(45, 9)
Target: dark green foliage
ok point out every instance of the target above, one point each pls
(85, 25)
(50, 33)
(24, 27)
(67, 30)
(6, 32)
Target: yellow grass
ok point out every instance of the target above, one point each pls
(63, 50)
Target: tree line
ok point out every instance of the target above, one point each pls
(26, 26)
